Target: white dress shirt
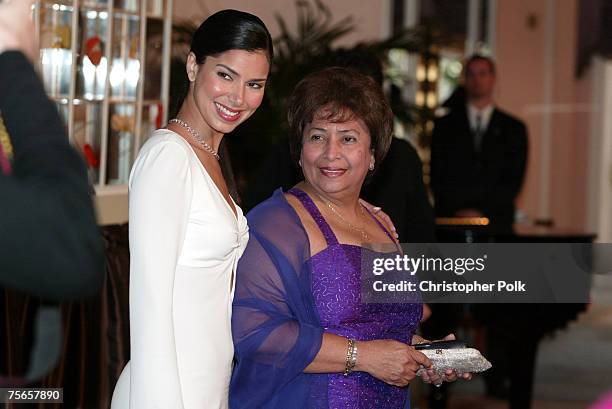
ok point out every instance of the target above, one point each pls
(485, 116)
(479, 122)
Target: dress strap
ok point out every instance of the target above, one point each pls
(314, 212)
(381, 226)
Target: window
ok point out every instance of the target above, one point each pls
(106, 66)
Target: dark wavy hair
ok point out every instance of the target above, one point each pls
(340, 94)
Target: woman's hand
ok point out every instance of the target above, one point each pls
(383, 216)
(390, 361)
(430, 376)
(17, 28)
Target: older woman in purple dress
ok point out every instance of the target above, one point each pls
(303, 338)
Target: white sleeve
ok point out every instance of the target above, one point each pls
(159, 203)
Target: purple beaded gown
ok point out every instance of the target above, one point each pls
(336, 287)
(331, 300)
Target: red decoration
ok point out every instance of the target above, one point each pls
(158, 120)
(93, 50)
(90, 157)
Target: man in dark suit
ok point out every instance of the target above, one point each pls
(478, 159)
(397, 187)
(478, 154)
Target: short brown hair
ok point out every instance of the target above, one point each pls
(480, 57)
(345, 94)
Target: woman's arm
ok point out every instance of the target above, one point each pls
(390, 361)
(160, 199)
(332, 355)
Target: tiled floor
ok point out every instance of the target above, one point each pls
(484, 403)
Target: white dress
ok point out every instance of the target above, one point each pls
(185, 243)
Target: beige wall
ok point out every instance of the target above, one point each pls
(112, 206)
(536, 82)
(371, 17)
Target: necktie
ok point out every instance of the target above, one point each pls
(478, 131)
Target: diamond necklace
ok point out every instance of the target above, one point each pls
(361, 230)
(196, 135)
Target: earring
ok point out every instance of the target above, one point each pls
(371, 166)
(300, 162)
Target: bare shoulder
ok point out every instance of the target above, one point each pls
(294, 202)
(305, 218)
(317, 241)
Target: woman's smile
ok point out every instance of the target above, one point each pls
(226, 113)
(332, 172)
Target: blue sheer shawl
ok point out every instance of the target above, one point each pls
(276, 328)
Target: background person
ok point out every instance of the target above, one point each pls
(478, 160)
(478, 154)
(50, 245)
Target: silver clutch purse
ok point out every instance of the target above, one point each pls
(461, 360)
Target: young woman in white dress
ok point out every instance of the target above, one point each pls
(186, 232)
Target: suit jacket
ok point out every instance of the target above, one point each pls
(488, 179)
(50, 244)
(397, 187)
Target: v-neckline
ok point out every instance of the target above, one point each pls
(234, 211)
(324, 227)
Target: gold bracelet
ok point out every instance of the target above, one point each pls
(351, 357)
